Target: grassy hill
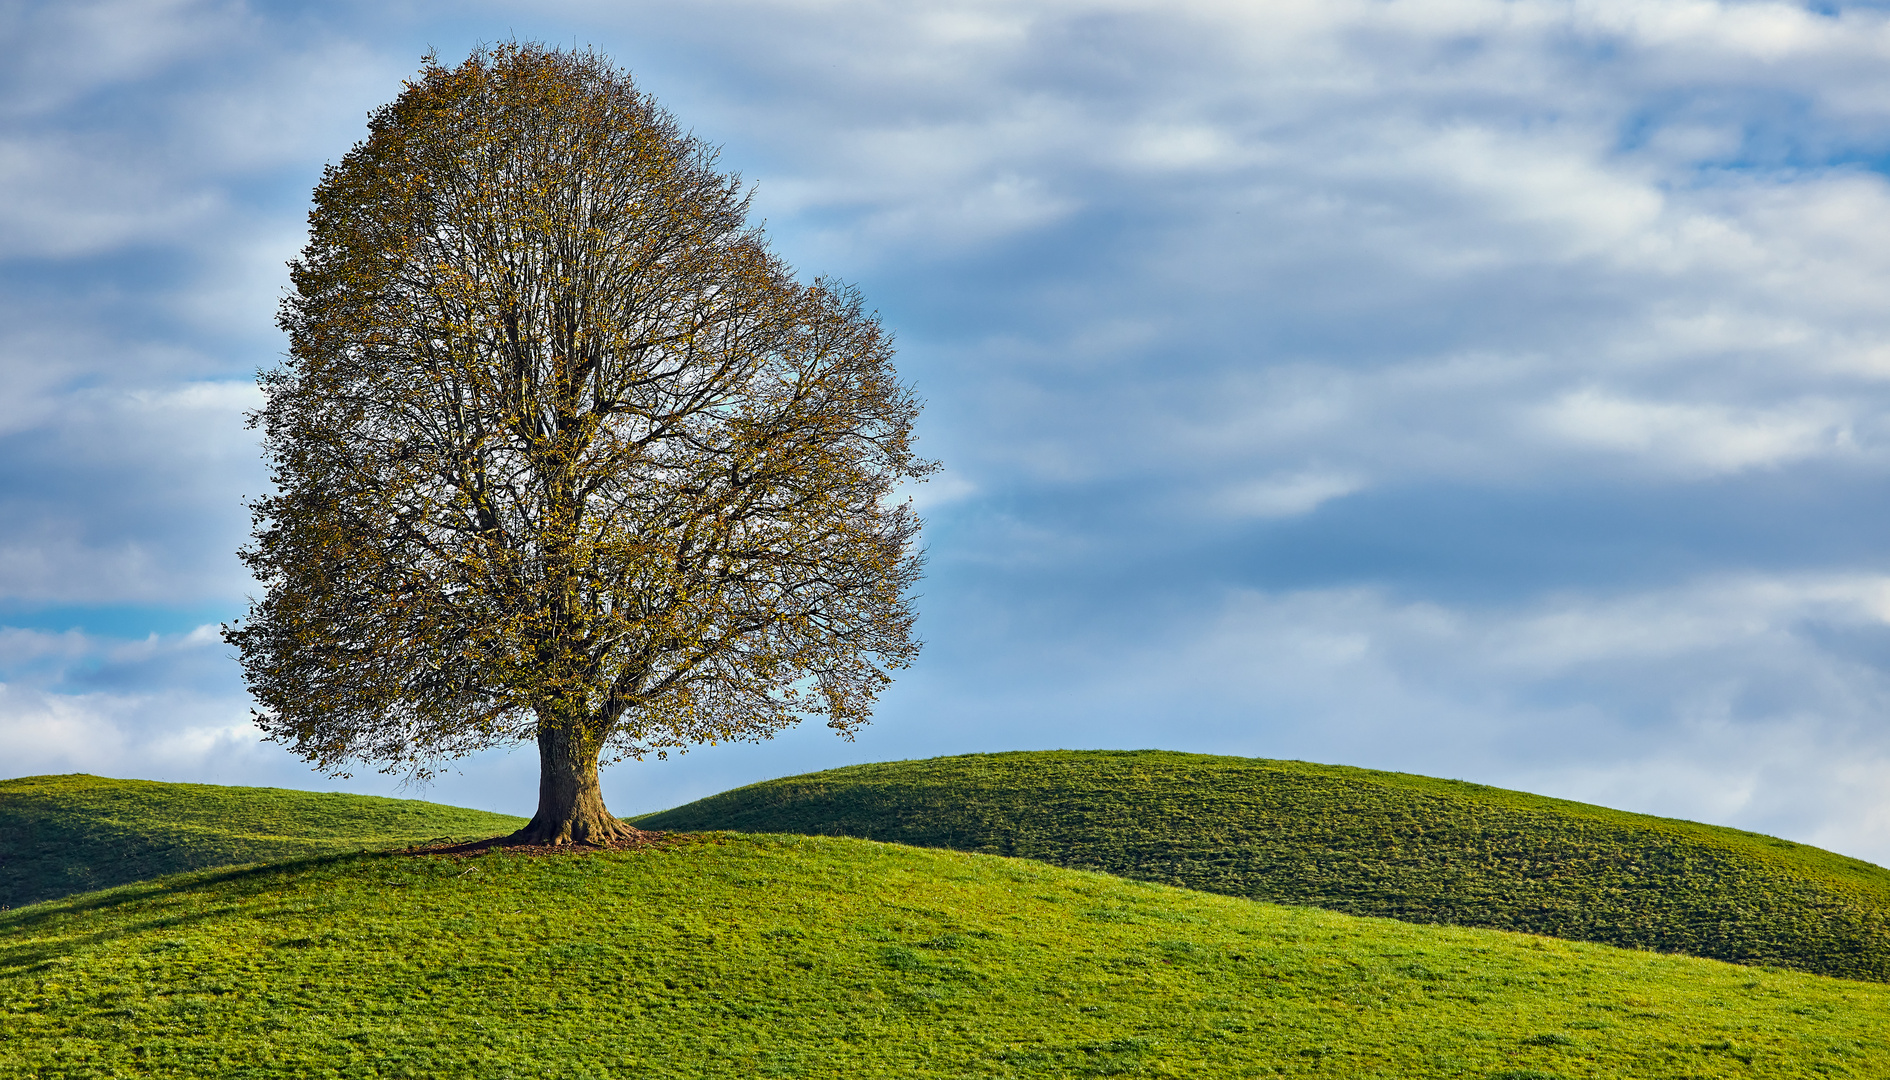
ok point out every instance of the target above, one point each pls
(1357, 841)
(66, 834)
(781, 956)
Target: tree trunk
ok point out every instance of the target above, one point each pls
(570, 804)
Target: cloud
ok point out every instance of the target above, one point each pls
(940, 490)
(158, 706)
(121, 735)
(171, 707)
(129, 496)
(1697, 438)
(1432, 227)
(1287, 495)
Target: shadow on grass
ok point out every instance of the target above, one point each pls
(232, 884)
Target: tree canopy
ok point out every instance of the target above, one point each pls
(562, 452)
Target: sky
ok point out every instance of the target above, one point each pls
(1489, 390)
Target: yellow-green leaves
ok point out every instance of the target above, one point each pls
(560, 442)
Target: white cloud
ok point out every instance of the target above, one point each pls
(164, 706)
(83, 46)
(1701, 439)
(170, 707)
(1286, 494)
(942, 489)
(1536, 221)
(70, 196)
(219, 398)
(1186, 145)
(121, 735)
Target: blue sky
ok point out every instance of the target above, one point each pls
(1486, 390)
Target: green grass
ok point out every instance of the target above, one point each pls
(61, 835)
(1357, 841)
(781, 956)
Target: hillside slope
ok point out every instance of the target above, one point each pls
(823, 957)
(67, 834)
(1357, 841)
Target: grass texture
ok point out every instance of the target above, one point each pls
(61, 835)
(784, 956)
(1357, 841)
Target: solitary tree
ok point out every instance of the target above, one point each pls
(561, 452)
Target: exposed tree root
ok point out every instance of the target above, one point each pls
(631, 839)
(595, 830)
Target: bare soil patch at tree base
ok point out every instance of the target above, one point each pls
(637, 840)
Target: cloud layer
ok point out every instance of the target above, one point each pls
(1493, 390)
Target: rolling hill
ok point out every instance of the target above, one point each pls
(784, 956)
(67, 834)
(1356, 841)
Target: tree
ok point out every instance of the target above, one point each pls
(561, 452)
